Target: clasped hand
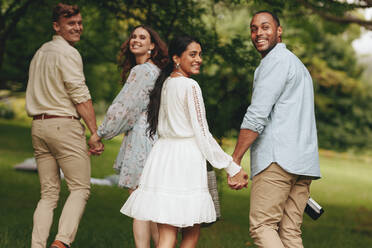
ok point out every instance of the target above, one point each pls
(238, 181)
(96, 147)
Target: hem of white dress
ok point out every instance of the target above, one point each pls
(176, 225)
(180, 210)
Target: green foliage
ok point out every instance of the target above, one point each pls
(229, 59)
(340, 95)
(21, 32)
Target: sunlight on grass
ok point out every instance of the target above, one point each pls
(344, 192)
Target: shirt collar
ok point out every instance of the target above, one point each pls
(277, 47)
(61, 39)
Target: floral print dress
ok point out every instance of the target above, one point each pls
(128, 114)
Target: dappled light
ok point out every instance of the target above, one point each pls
(321, 33)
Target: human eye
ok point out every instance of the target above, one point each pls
(143, 37)
(253, 29)
(265, 27)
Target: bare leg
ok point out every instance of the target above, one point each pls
(167, 236)
(154, 233)
(190, 236)
(141, 231)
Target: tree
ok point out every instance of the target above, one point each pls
(339, 12)
(229, 59)
(11, 13)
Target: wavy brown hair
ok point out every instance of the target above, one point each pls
(64, 10)
(159, 55)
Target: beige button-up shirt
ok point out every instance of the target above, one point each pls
(56, 80)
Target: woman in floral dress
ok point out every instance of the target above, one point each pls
(144, 54)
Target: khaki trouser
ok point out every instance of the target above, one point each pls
(278, 201)
(59, 143)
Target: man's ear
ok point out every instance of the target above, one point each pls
(279, 32)
(56, 27)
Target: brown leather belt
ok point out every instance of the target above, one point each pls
(45, 116)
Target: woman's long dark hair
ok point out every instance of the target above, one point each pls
(177, 46)
(159, 55)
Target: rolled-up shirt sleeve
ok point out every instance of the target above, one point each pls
(71, 67)
(270, 79)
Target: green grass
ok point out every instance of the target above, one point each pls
(345, 192)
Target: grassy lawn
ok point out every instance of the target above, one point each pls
(345, 192)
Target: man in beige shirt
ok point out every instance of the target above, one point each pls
(56, 98)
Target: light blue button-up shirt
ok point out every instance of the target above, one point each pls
(282, 112)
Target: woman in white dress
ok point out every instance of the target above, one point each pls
(173, 188)
(144, 54)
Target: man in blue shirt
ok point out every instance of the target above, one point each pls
(279, 126)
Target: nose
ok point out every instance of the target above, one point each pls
(77, 26)
(135, 39)
(199, 59)
(259, 31)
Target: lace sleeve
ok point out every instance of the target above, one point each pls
(128, 104)
(207, 144)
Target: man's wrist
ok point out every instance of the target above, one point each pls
(237, 160)
(93, 130)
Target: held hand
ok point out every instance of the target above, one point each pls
(96, 147)
(239, 181)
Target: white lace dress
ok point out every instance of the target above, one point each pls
(173, 188)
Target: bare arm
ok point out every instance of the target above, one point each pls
(245, 140)
(86, 111)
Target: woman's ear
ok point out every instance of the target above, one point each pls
(176, 59)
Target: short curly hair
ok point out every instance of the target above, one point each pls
(274, 16)
(64, 10)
